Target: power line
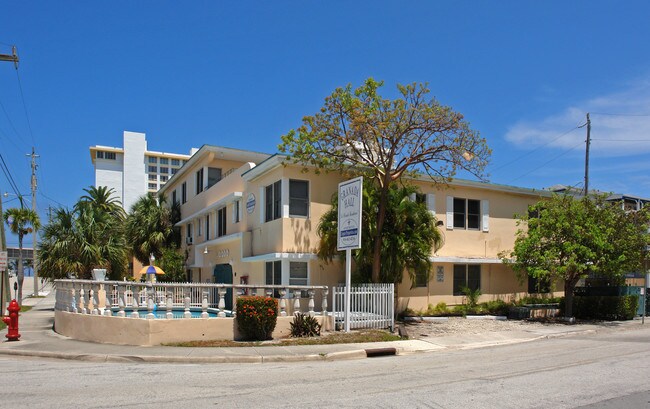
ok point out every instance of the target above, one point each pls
(612, 114)
(10, 179)
(11, 122)
(22, 96)
(622, 140)
(546, 163)
(536, 149)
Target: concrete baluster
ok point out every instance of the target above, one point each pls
(75, 299)
(204, 305)
(324, 303)
(222, 302)
(95, 310)
(311, 302)
(296, 302)
(150, 302)
(120, 301)
(108, 290)
(269, 292)
(187, 313)
(82, 298)
(283, 304)
(135, 303)
(170, 304)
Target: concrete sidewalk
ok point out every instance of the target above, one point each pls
(39, 340)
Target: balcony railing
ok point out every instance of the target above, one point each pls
(140, 300)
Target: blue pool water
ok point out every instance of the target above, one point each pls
(177, 313)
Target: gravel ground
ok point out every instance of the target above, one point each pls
(459, 325)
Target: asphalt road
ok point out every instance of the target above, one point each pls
(593, 371)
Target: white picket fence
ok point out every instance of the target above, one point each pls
(371, 306)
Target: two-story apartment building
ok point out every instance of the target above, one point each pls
(251, 218)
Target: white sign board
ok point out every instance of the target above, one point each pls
(3, 260)
(349, 221)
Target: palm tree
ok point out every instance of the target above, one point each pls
(21, 221)
(408, 237)
(90, 236)
(149, 227)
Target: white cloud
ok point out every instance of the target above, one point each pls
(612, 135)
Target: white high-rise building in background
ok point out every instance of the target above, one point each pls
(132, 170)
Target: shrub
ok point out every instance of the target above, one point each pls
(472, 296)
(604, 307)
(305, 326)
(496, 307)
(256, 317)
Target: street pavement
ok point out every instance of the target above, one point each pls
(38, 339)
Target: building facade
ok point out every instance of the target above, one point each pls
(255, 221)
(133, 170)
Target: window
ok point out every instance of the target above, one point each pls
(199, 226)
(164, 161)
(274, 274)
(110, 155)
(207, 227)
(184, 193)
(176, 162)
(174, 170)
(214, 175)
(298, 198)
(174, 199)
(153, 169)
(221, 222)
(236, 211)
(421, 279)
(153, 159)
(188, 232)
(164, 170)
(163, 178)
(99, 155)
(199, 181)
(273, 201)
(467, 214)
(466, 275)
(421, 198)
(539, 285)
(153, 186)
(298, 273)
(153, 177)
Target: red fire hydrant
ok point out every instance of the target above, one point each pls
(12, 321)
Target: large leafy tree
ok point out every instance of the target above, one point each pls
(149, 227)
(359, 132)
(409, 236)
(565, 238)
(89, 236)
(21, 221)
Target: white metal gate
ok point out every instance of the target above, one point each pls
(371, 306)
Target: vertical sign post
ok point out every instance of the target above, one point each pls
(4, 281)
(349, 231)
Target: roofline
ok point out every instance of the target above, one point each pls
(205, 149)
(263, 167)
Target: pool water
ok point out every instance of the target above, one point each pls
(177, 313)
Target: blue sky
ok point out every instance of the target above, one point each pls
(241, 74)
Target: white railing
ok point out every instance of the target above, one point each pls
(371, 306)
(142, 300)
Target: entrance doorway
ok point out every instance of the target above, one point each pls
(223, 275)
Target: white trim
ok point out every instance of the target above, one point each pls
(431, 203)
(265, 166)
(485, 215)
(280, 256)
(214, 206)
(465, 260)
(284, 197)
(450, 213)
(262, 204)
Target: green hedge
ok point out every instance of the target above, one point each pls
(609, 308)
(256, 317)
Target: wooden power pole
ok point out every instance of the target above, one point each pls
(588, 142)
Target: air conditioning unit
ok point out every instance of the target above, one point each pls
(188, 240)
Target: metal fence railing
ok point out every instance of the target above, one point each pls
(371, 306)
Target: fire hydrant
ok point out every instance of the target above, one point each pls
(12, 321)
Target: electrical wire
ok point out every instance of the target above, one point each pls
(612, 114)
(22, 96)
(10, 179)
(546, 163)
(534, 150)
(11, 123)
(622, 140)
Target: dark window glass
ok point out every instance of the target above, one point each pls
(268, 203)
(221, 224)
(538, 285)
(214, 175)
(184, 193)
(459, 213)
(298, 198)
(277, 200)
(207, 227)
(421, 279)
(473, 214)
(199, 181)
(466, 276)
(474, 276)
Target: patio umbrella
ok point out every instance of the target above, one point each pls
(151, 270)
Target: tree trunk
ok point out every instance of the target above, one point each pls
(381, 216)
(569, 286)
(20, 273)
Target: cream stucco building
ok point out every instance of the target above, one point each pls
(249, 218)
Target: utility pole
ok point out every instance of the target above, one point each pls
(4, 275)
(588, 142)
(33, 155)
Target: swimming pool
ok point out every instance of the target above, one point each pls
(177, 313)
